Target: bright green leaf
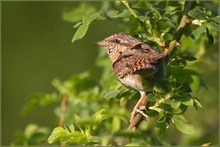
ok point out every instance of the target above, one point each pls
(188, 102)
(115, 124)
(80, 33)
(197, 102)
(182, 124)
(57, 134)
(175, 104)
(77, 25)
(98, 116)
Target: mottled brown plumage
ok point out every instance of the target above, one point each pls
(134, 62)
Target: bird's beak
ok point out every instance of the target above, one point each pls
(102, 43)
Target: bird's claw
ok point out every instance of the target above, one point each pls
(138, 110)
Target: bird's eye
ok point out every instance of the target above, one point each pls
(117, 41)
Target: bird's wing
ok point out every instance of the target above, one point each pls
(141, 59)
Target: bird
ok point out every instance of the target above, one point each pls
(134, 63)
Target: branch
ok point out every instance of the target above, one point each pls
(185, 21)
(176, 38)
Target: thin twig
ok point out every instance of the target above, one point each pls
(185, 21)
(176, 38)
(63, 110)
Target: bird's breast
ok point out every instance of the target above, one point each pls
(133, 81)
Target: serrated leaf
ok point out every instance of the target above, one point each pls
(80, 33)
(57, 134)
(196, 34)
(111, 94)
(182, 124)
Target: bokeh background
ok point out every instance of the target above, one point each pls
(36, 48)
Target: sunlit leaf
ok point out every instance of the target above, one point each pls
(175, 104)
(80, 33)
(57, 134)
(115, 124)
(197, 102)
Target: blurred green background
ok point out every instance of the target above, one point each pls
(36, 48)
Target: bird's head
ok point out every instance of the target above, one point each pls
(117, 44)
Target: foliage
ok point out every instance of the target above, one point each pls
(98, 107)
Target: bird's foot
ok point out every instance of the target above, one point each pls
(140, 110)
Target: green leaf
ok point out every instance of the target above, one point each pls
(214, 25)
(87, 20)
(115, 124)
(77, 25)
(76, 14)
(188, 101)
(111, 94)
(112, 14)
(197, 14)
(125, 13)
(80, 33)
(197, 102)
(175, 104)
(196, 34)
(98, 116)
(57, 134)
(150, 97)
(182, 124)
(30, 129)
(161, 128)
